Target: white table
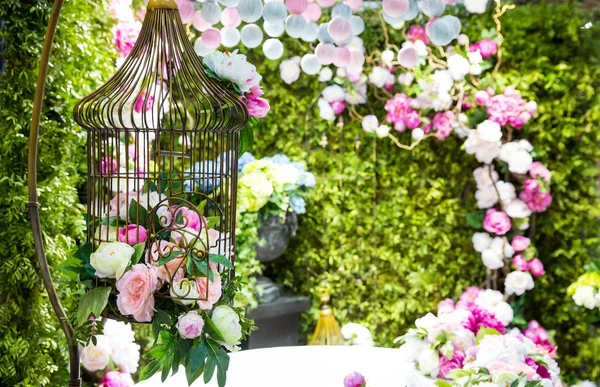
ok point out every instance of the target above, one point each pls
(310, 366)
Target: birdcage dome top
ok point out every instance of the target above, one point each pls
(162, 85)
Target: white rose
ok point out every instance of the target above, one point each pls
(325, 110)
(503, 312)
(517, 209)
(491, 259)
(489, 131)
(289, 70)
(379, 76)
(325, 75)
(508, 250)
(417, 134)
(126, 356)
(111, 259)
(382, 131)
(370, 123)
(184, 288)
(486, 197)
(426, 322)
(228, 324)
(475, 69)
(517, 282)
(476, 6)
(517, 155)
(458, 66)
(483, 177)
(462, 39)
(429, 362)
(481, 241)
(507, 192)
(475, 57)
(585, 296)
(96, 357)
(359, 334)
(484, 151)
(333, 93)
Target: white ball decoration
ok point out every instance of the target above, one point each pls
(274, 30)
(310, 34)
(443, 30)
(310, 65)
(313, 12)
(395, 22)
(274, 12)
(295, 25)
(323, 35)
(199, 23)
(228, 3)
(326, 3)
(201, 49)
(273, 49)
(211, 12)
(395, 8)
(339, 28)
(230, 37)
(357, 58)
(432, 8)
(325, 53)
(342, 57)
(357, 24)
(408, 57)
(413, 10)
(250, 10)
(341, 10)
(251, 35)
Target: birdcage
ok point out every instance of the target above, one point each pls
(162, 154)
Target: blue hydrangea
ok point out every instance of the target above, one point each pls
(279, 159)
(298, 204)
(206, 169)
(308, 180)
(245, 159)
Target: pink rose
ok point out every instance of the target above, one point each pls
(139, 103)
(538, 169)
(188, 218)
(96, 357)
(133, 234)
(496, 222)
(136, 292)
(208, 297)
(338, 107)
(354, 380)
(486, 48)
(448, 365)
(482, 98)
(190, 325)
(108, 165)
(537, 200)
(171, 271)
(520, 243)
(412, 119)
(125, 35)
(116, 379)
(257, 107)
(536, 267)
(417, 32)
(520, 263)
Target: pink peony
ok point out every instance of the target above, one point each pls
(538, 169)
(116, 379)
(401, 114)
(482, 318)
(108, 165)
(535, 332)
(210, 297)
(257, 107)
(136, 292)
(417, 32)
(354, 379)
(496, 222)
(133, 234)
(482, 98)
(442, 123)
(486, 47)
(125, 35)
(536, 200)
(190, 325)
(139, 102)
(448, 365)
(467, 299)
(509, 109)
(520, 243)
(446, 306)
(338, 107)
(520, 263)
(171, 271)
(536, 267)
(188, 218)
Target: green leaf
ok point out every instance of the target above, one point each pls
(197, 354)
(139, 252)
(150, 369)
(221, 260)
(212, 221)
(442, 383)
(218, 358)
(191, 375)
(84, 252)
(475, 219)
(137, 213)
(211, 328)
(162, 356)
(246, 139)
(483, 331)
(92, 302)
(163, 317)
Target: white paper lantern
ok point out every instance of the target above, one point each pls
(201, 49)
(273, 49)
(357, 58)
(310, 65)
(357, 24)
(323, 35)
(339, 28)
(230, 37)
(387, 57)
(395, 22)
(344, 42)
(310, 34)
(230, 18)
(395, 8)
(273, 29)
(354, 4)
(295, 25)
(341, 10)
(296, 7)
(342, 57)
(326, 3)
(251, 35)
(274, 12)
(325, 53)
(432, 8)
(211, 12)
(250, 10)
(408, 57)
(228, 3)
(443, 30)
(199, 23)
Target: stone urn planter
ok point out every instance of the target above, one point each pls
(274, 235)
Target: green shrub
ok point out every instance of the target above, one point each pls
(32, 347)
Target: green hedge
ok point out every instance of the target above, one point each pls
(389, 239)
(32, 347)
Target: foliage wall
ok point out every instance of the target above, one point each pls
(32, 347)
(385, 229)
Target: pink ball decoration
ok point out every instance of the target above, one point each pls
(199, 23)
(325, 53)
(326, 3)
(395, 8)
(313, 12)
(408, 57)
(296, 7)
(186, 10)
(230, 18)
(342, 57)
(339, 28)
(354, 4)
(357, 58)
(211, 38)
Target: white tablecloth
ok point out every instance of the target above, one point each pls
(310, 366)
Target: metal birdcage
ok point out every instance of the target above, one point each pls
(163, 150)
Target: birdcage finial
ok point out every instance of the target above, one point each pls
(162, 4)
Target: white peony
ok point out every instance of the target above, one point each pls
(382, 131)
(481, 241)
(370, 123)
(426, 322)
(325, 75)
(107, 233)
(489, 131)
(111, 259)
(96, 357)
(358, 334)
(518, 282)
(458, 66)
(517, 209)
(504, 312)
(325, 110)
(126, 356)
(228, 324)
(486, 197)
(507, 192)
(483, 176)
(289, 70)
(429, 362)
(492, 260)
(586, 296)
(233, 67)
(476, 6)
(517, 155)
(333, 93)
(493, 302)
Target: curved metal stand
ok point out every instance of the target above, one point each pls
(34, 214)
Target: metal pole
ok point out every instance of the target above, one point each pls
(34, 213)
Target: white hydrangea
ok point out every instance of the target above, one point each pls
(517, 209)
(325, 75)
(485, 176)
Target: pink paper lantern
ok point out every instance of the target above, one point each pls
(354, 4)
(199, 23)
(342, 57)
(339, 28)
(326, 3)
(211, 38)
(186, 10)
(325, 53)
(230, 18)
(408, 57)
(357, 58)
(296, 7)
(313, 12)
(395, 8)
